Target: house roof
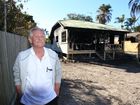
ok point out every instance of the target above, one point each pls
(88, 25)
(133, 34)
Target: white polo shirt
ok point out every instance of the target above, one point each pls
(39, 88)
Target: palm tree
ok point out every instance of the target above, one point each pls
(120, 20)
(104, 14)
(130, 23)
(134, 6)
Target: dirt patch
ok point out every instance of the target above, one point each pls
(100, 84)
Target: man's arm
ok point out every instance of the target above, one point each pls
(16, 70)
(58, 76)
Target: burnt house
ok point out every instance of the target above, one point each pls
(82, 38)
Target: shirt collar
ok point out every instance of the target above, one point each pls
(45, 52)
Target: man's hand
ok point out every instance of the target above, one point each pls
(19, 93)
(57, 88)
(18, 89)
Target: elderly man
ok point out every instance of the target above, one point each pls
(37, 72)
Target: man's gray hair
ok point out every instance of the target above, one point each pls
(34, 29)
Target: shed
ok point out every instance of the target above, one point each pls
(76, 37)
(133, 36)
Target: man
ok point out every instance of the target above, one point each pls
(37, 72)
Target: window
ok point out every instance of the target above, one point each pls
(64, 36)
(56, 38)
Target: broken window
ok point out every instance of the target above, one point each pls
(64, 36)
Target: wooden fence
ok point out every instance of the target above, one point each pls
(10, 45)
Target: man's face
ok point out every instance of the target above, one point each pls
(37, 39)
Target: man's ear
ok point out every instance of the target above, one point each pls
(30, 40)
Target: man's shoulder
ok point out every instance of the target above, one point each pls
(24, 54)
(51, 53)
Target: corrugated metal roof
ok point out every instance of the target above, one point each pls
(88, 25)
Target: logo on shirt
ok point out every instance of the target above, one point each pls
(48, 69)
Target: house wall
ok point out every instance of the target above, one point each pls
(130, 47)
(62, 45)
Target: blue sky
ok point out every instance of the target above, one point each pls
(47, 12)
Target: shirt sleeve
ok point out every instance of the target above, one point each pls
(58, 71)
(16, 71)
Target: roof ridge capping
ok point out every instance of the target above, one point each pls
(88, 25)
